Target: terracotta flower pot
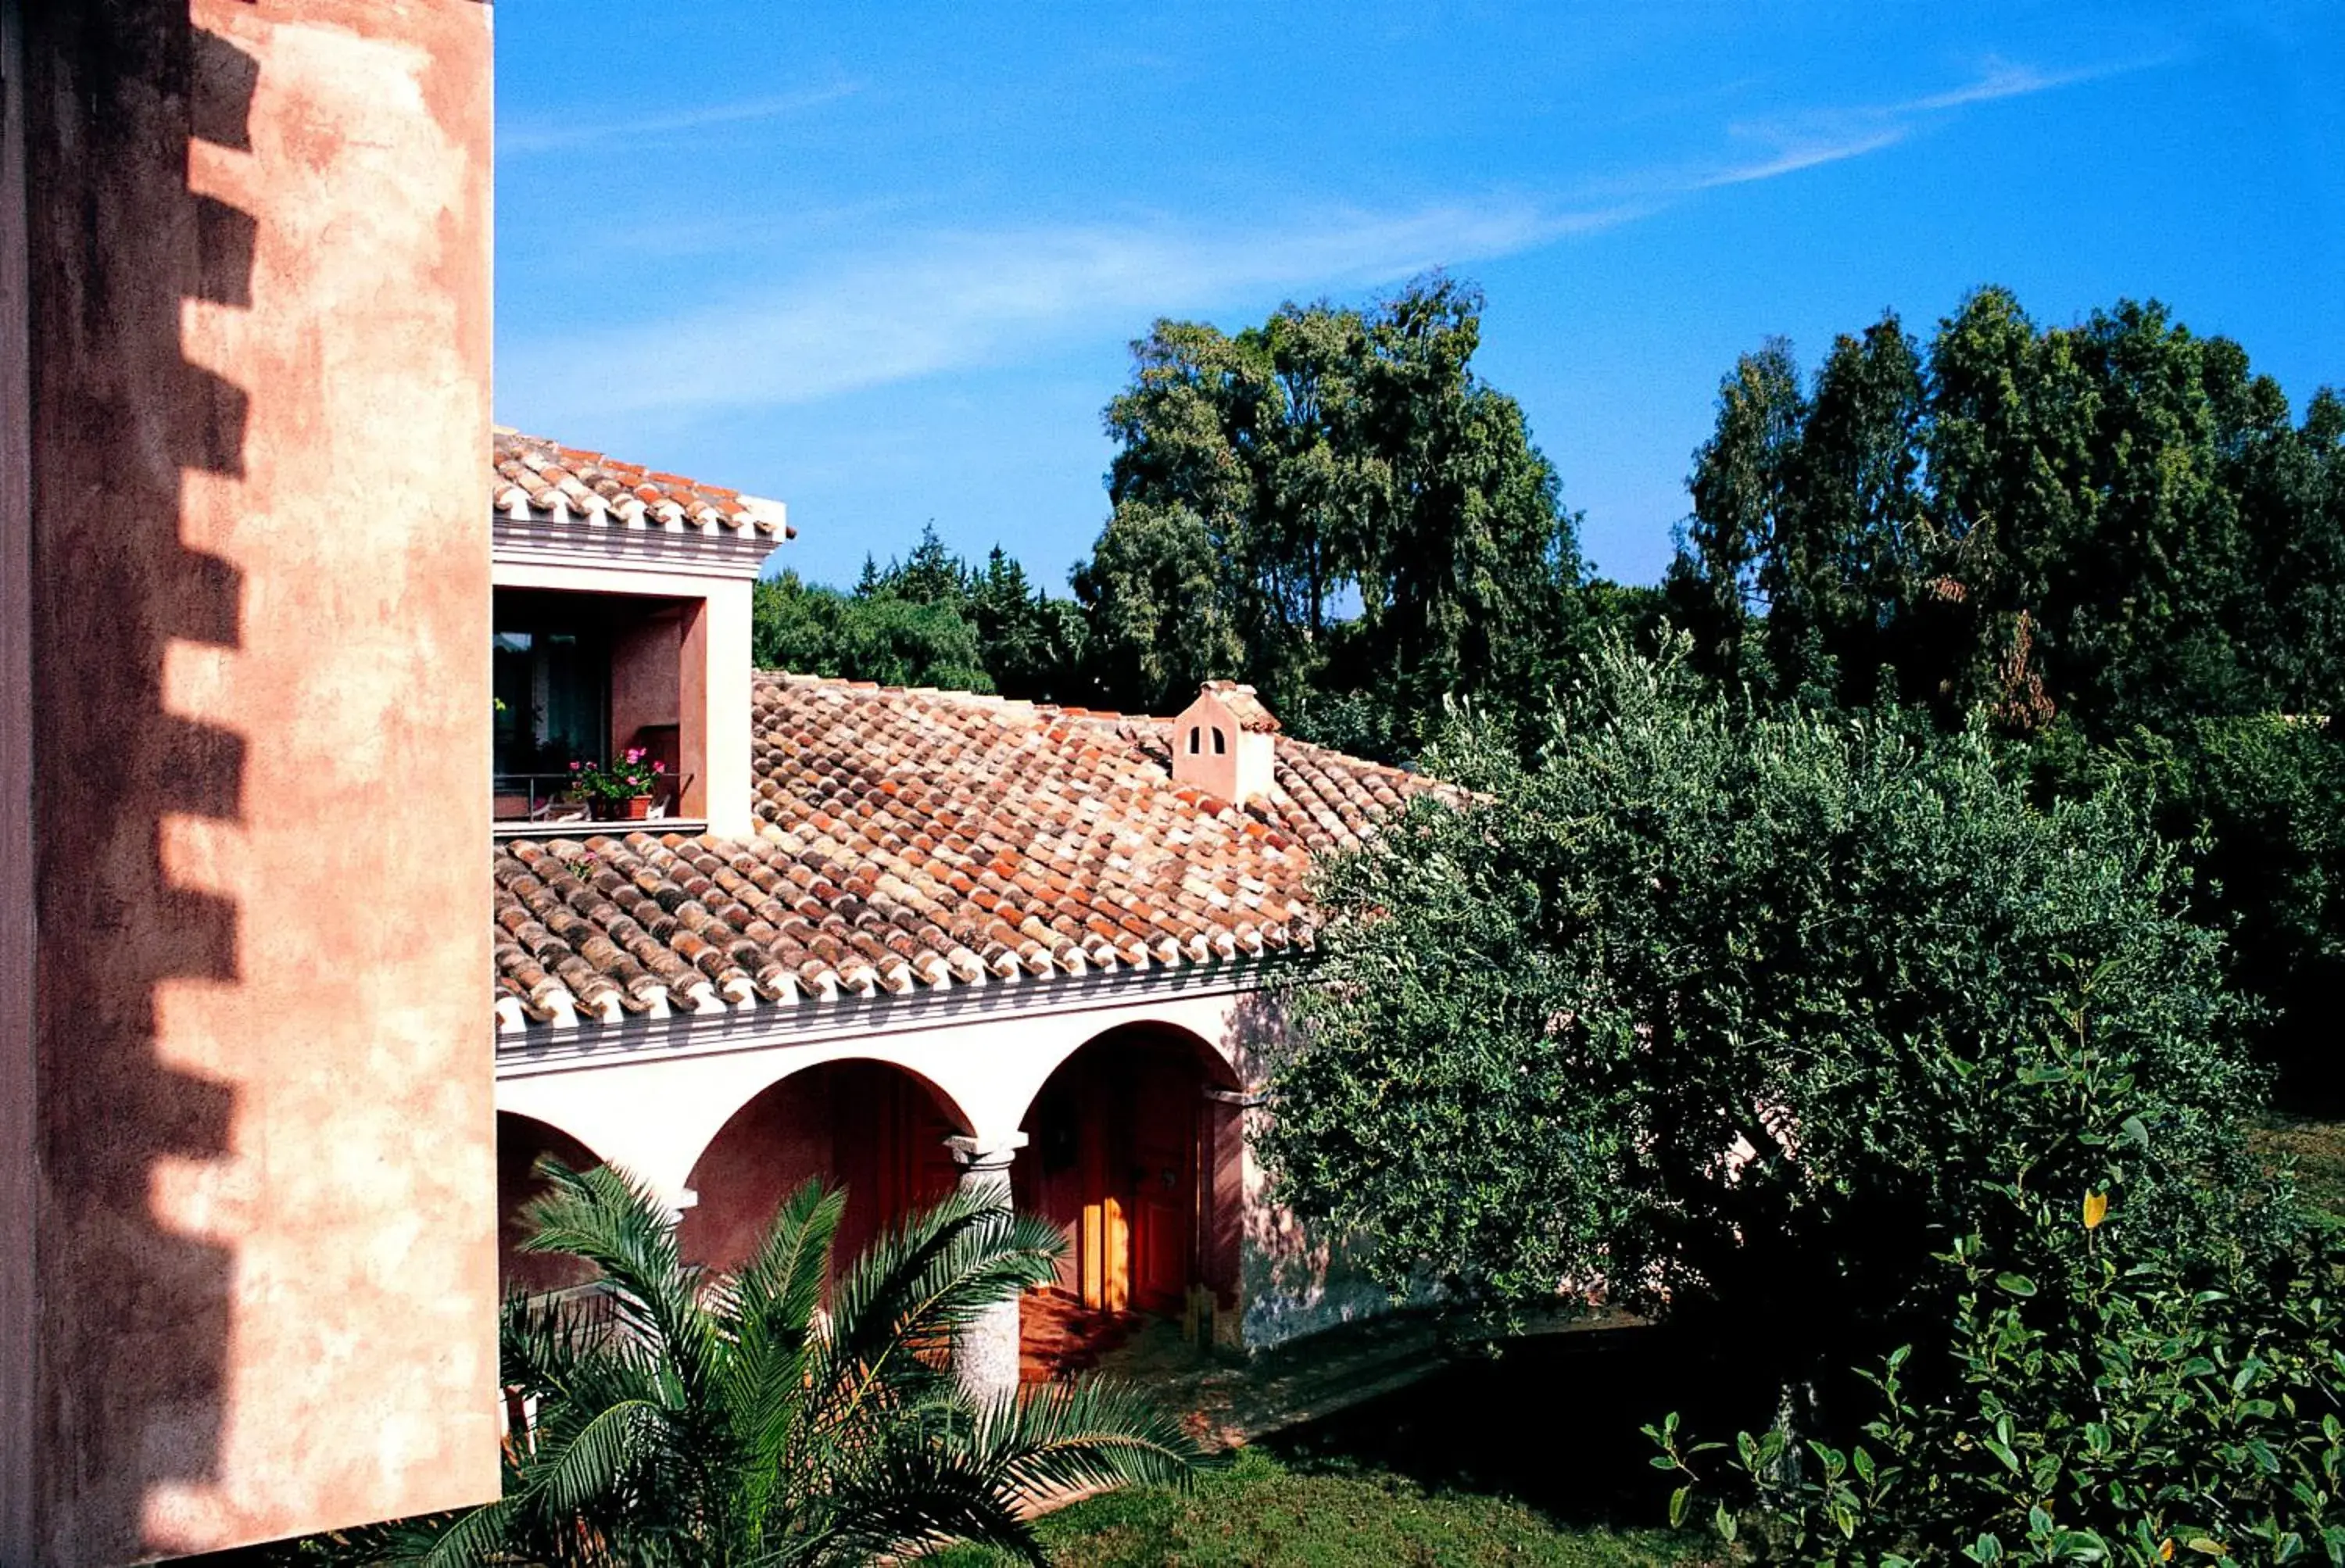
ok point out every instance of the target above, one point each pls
(635, 808)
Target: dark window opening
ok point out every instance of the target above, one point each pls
(565, 668)
(1221, 745)
(552, 688)
(1194, 736)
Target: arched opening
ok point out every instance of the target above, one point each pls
(1221, 742)
(520, 1140)
(1196, 734)
(876, 1129)
(1131, 1149)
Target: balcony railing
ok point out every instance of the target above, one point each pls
(527, 802)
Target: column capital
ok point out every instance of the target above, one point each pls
(986, 1153)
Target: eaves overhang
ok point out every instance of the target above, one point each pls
(548, 1048)
(575, 540)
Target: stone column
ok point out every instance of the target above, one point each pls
(985, 1352)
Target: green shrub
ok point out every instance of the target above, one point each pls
(2261, 802)
(1717, 1009)
(2097, 1395)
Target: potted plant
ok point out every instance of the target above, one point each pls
(620, 789)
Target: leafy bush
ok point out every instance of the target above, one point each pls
(2096, 1396)
(1714, 1011)
(2261, 802)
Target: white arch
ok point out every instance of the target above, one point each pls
(1140, 1030)
(656, 1111)
(507, 1113)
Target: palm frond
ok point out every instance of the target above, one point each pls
(1095, 1434)
(611, 1220)
(786, 1278)
(591, 1464)
(544, 1340)
(773, 1301)
(473, 1539)
(910, 1489)
(930, 1274)
(682, 1419)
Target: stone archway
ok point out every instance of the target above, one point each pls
(1134, 1147)
(871, 1126)
(520, 1140)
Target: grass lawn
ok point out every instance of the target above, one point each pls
(2318, 1150)
(1261, 1512)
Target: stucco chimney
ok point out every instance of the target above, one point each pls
(1225, 743)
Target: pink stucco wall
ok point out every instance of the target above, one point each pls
(258, 626)
(645, 680)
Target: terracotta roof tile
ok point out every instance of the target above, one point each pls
(531, 477)
(1244, 706)
(919, 839)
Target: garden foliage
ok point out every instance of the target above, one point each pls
(774, 1415)
(2099, 1395)
(1727, 1015)
(2112, 538)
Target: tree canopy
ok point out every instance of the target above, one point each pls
(2111, 539)
(929, 619)
(2115, 524)
(1733, 1011)
(1328, 504)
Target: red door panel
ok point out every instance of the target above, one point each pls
(1164, 1183)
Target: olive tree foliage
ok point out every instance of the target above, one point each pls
(2259, 799)
(1719, 1011)
(2100, 1395)
(2112, 538)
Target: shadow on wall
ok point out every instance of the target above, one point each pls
(1296, 1278)
(136, 1311)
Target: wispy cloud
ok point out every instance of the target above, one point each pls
(1809, 139)
(948, 300)
(587, 127)
(931, 302)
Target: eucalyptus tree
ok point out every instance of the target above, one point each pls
(1329, 503)
(2108, 523)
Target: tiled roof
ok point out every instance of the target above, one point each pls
(916, 840)
(530, 477)
(1244, 706)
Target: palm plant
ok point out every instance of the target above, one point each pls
(687, 1417)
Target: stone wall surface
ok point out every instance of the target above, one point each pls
(258, 616)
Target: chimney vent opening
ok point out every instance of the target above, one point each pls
(1241, 764)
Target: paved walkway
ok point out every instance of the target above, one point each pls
(1228, 1401)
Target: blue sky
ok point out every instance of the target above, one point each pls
(885, 262)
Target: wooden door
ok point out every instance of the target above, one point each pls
(1048, 1177)
(888, 1147)
(1163, 1183)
